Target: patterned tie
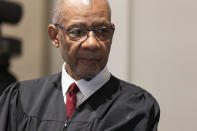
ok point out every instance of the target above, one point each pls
(71, 99)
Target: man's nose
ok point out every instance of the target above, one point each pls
(91, 42)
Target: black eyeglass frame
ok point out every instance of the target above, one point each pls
(111, 26)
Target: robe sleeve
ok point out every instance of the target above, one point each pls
(8, 104)
(139, 112)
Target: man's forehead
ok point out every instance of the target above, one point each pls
(88, 24)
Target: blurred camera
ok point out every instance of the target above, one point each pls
(10, 13)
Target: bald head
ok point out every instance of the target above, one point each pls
(67, 7)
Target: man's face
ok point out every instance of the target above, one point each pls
(87, 58)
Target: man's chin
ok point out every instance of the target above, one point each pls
(88, 74)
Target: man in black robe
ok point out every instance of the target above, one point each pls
(83, 32)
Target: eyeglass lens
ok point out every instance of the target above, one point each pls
(101, 34)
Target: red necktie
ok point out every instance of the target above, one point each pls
(71, 100)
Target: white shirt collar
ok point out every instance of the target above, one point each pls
(87, 88)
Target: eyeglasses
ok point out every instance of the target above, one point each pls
(81, 34)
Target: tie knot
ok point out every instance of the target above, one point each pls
(73, 88)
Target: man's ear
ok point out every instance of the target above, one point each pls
(53, 32)
(113, 25)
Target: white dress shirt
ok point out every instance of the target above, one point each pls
(86, 88)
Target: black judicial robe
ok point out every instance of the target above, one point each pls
(38, 105)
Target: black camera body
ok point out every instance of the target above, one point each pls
(10, 13)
